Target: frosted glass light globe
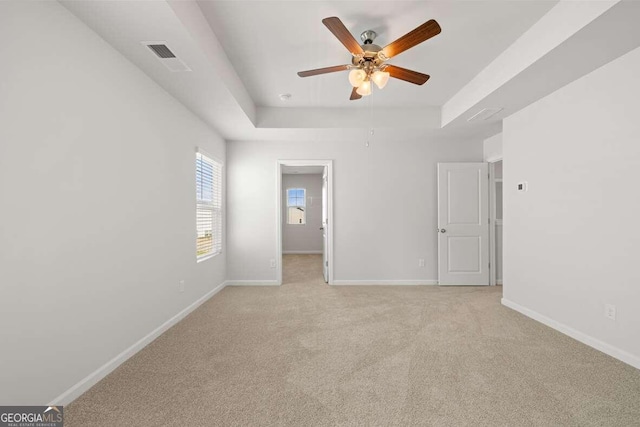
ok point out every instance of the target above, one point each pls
(380, 78)
(365, 88)
(356, 77)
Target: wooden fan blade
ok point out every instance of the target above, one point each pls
(338, 29)
(406, 75)
(423, 32)
(325, 70)
(355, 95)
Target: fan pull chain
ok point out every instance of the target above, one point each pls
(371, 130)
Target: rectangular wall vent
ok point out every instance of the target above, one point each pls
(161, 50)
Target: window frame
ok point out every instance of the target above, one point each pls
(214, 206)
(304, 199)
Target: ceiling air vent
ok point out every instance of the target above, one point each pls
(484, 114)
(161, 50)
(166, 56)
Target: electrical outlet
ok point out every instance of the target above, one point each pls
(610, 311)
(421, 262)
(273, 263)
(181, 286)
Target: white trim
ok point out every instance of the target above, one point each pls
(493, 221)
(384, 282)
(252, 283)
(329, 170)
(612, 351)
(92, 379)
(301, 252)
(207, 256)
(493, 262)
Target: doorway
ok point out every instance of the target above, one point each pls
(304, 221)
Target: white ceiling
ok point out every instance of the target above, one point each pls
(242, 54)
(269, 41)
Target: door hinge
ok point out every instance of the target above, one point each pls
(326, 263)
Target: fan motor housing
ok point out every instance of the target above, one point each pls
(370, 55)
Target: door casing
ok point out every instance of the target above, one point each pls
(325, 224)
(493, 278)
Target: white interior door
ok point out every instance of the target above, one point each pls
(463, 223)
(325, 218)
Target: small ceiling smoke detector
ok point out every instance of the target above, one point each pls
(484, 114)
(284, 96)
(166, 56)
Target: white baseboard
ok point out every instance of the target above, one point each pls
(577, 335)
(252, 283)
(301, 252)
(384, 282)
(499, 282)
(90, 380)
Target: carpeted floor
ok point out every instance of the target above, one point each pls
(307, 354)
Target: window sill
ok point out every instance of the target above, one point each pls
(206, 257)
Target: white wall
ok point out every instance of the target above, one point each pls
(303, 238)
(571, 241)
(492, 148)
(97, 203)
(385, 212)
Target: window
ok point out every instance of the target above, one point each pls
(208, 207)
(296, 205)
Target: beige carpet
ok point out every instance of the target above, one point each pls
(307, 354)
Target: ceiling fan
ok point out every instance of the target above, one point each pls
(369, 60)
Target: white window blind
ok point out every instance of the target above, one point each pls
(208, 207)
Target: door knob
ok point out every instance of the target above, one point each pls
(321, 228)
(442, 230)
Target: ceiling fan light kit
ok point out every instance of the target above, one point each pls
(368, 62)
